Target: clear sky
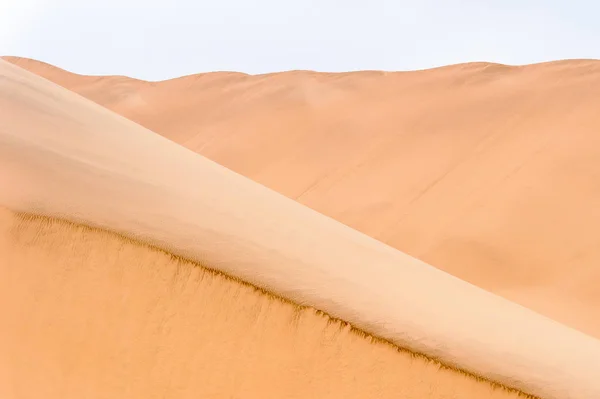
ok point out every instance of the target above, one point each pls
(162, 39)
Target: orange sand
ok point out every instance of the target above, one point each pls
(103, 317)
(486, 171)
(90, 314)
(64, 156)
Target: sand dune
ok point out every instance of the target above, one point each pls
(109, 318)
(485, 171)
(63, 156)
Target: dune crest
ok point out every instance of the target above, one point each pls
(63, 156)
(485, 171)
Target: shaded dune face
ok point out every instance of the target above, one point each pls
(121, 319)
(486, 171)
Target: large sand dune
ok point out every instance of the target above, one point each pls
(486, 171)
(92, 314)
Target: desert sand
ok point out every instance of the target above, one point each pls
(486, 171)
(108, 318)
(106, 315)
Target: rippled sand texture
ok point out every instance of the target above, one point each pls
(94, 315)
(486, 171)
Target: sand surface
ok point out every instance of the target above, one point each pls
(109, 318)
(486, 171)
(64, 156)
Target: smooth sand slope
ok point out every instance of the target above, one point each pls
(486, 171)
(63, 156)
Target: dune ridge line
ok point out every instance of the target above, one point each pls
(98, 167)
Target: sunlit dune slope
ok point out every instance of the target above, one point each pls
(63, 156)
(486, 171)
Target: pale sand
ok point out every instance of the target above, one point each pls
(64, 156)
(486, 171)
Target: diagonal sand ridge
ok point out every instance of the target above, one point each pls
(488, 172)
(66, 157)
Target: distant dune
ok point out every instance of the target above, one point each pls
(489, 172)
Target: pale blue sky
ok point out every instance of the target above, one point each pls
(162, 39)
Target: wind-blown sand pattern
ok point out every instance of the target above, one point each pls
(486, 171)
(63, 156)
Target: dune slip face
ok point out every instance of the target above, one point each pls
(63, 156)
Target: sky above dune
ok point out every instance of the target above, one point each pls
(156, 40)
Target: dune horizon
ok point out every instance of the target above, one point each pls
(62, 153)
(35, 65)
